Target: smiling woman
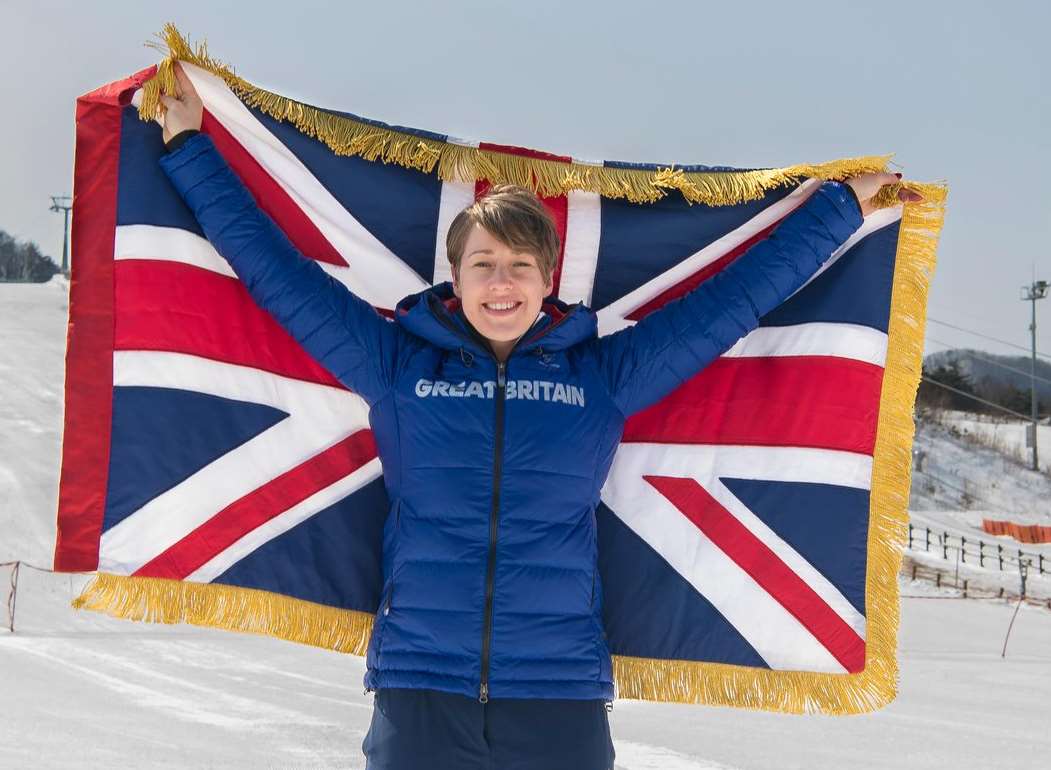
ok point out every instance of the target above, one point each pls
(503, 250)
(496, 417)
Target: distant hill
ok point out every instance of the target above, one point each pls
(987, 372)
(23, 262)
(974, 380)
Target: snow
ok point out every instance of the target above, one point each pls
(949, 473)
(83, 690)
(33, 330)
(1007, 436)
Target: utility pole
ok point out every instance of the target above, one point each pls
(63, 203)
(1031, 293)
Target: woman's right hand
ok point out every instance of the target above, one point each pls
(182, 111)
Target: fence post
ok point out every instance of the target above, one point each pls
(910, 535)
(1000, 555)
(12, 597)
(945, 545)
(963, 549)
(927, 539)
(965, 588)
(1040, 562)
(981, 553)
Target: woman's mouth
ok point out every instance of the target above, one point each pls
(501, 308)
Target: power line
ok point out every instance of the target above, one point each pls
(968, 492)
(987, 337)
(990, 361)
(964, 393)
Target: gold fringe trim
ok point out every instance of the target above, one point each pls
(876, 685)
(160, 600)
(455, 162)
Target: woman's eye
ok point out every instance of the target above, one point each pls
(490, 264)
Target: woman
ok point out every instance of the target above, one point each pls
(496, 415)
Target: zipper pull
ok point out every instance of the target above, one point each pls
(500, 379)
(483, 693)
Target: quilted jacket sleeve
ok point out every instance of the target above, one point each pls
(341, 331)
(642, 363)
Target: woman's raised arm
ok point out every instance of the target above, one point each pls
(343, 332)
(642, 363)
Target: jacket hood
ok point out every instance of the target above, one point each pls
(436, 315)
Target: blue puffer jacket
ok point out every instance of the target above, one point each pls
(494, 470)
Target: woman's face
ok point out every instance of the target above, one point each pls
(492, 274)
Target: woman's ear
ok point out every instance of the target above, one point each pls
(456, 283)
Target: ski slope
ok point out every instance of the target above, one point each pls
(951, 473)
(1005, 435)
(83, 690)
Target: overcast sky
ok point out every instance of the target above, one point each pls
(959, 91)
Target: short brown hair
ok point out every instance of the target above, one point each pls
(514, 215)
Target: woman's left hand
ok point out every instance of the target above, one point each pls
(866, 186)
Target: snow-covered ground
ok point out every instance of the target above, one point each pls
(950, 473)
(32, 348)
(986, 577)
(83, 690)
(1004, 435)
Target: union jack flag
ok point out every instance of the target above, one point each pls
(737, 530)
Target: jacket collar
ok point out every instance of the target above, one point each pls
(435, 314)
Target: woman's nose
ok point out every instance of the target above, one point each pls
(501, 276)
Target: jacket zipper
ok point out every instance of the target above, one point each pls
(490, 571)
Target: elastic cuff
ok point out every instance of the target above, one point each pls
(845, 202)
(853, 195)
(179, 139)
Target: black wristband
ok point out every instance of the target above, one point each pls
(179, 139)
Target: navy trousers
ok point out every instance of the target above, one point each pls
(431, 730)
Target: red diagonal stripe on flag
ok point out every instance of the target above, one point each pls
(182, 308)
(260, 506)
(692, 281)
(763, 565)
(271, 197)
(824, 402)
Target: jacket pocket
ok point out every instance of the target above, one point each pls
(387, 598)
(380, 627)
(394, 557)
(390, 595)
